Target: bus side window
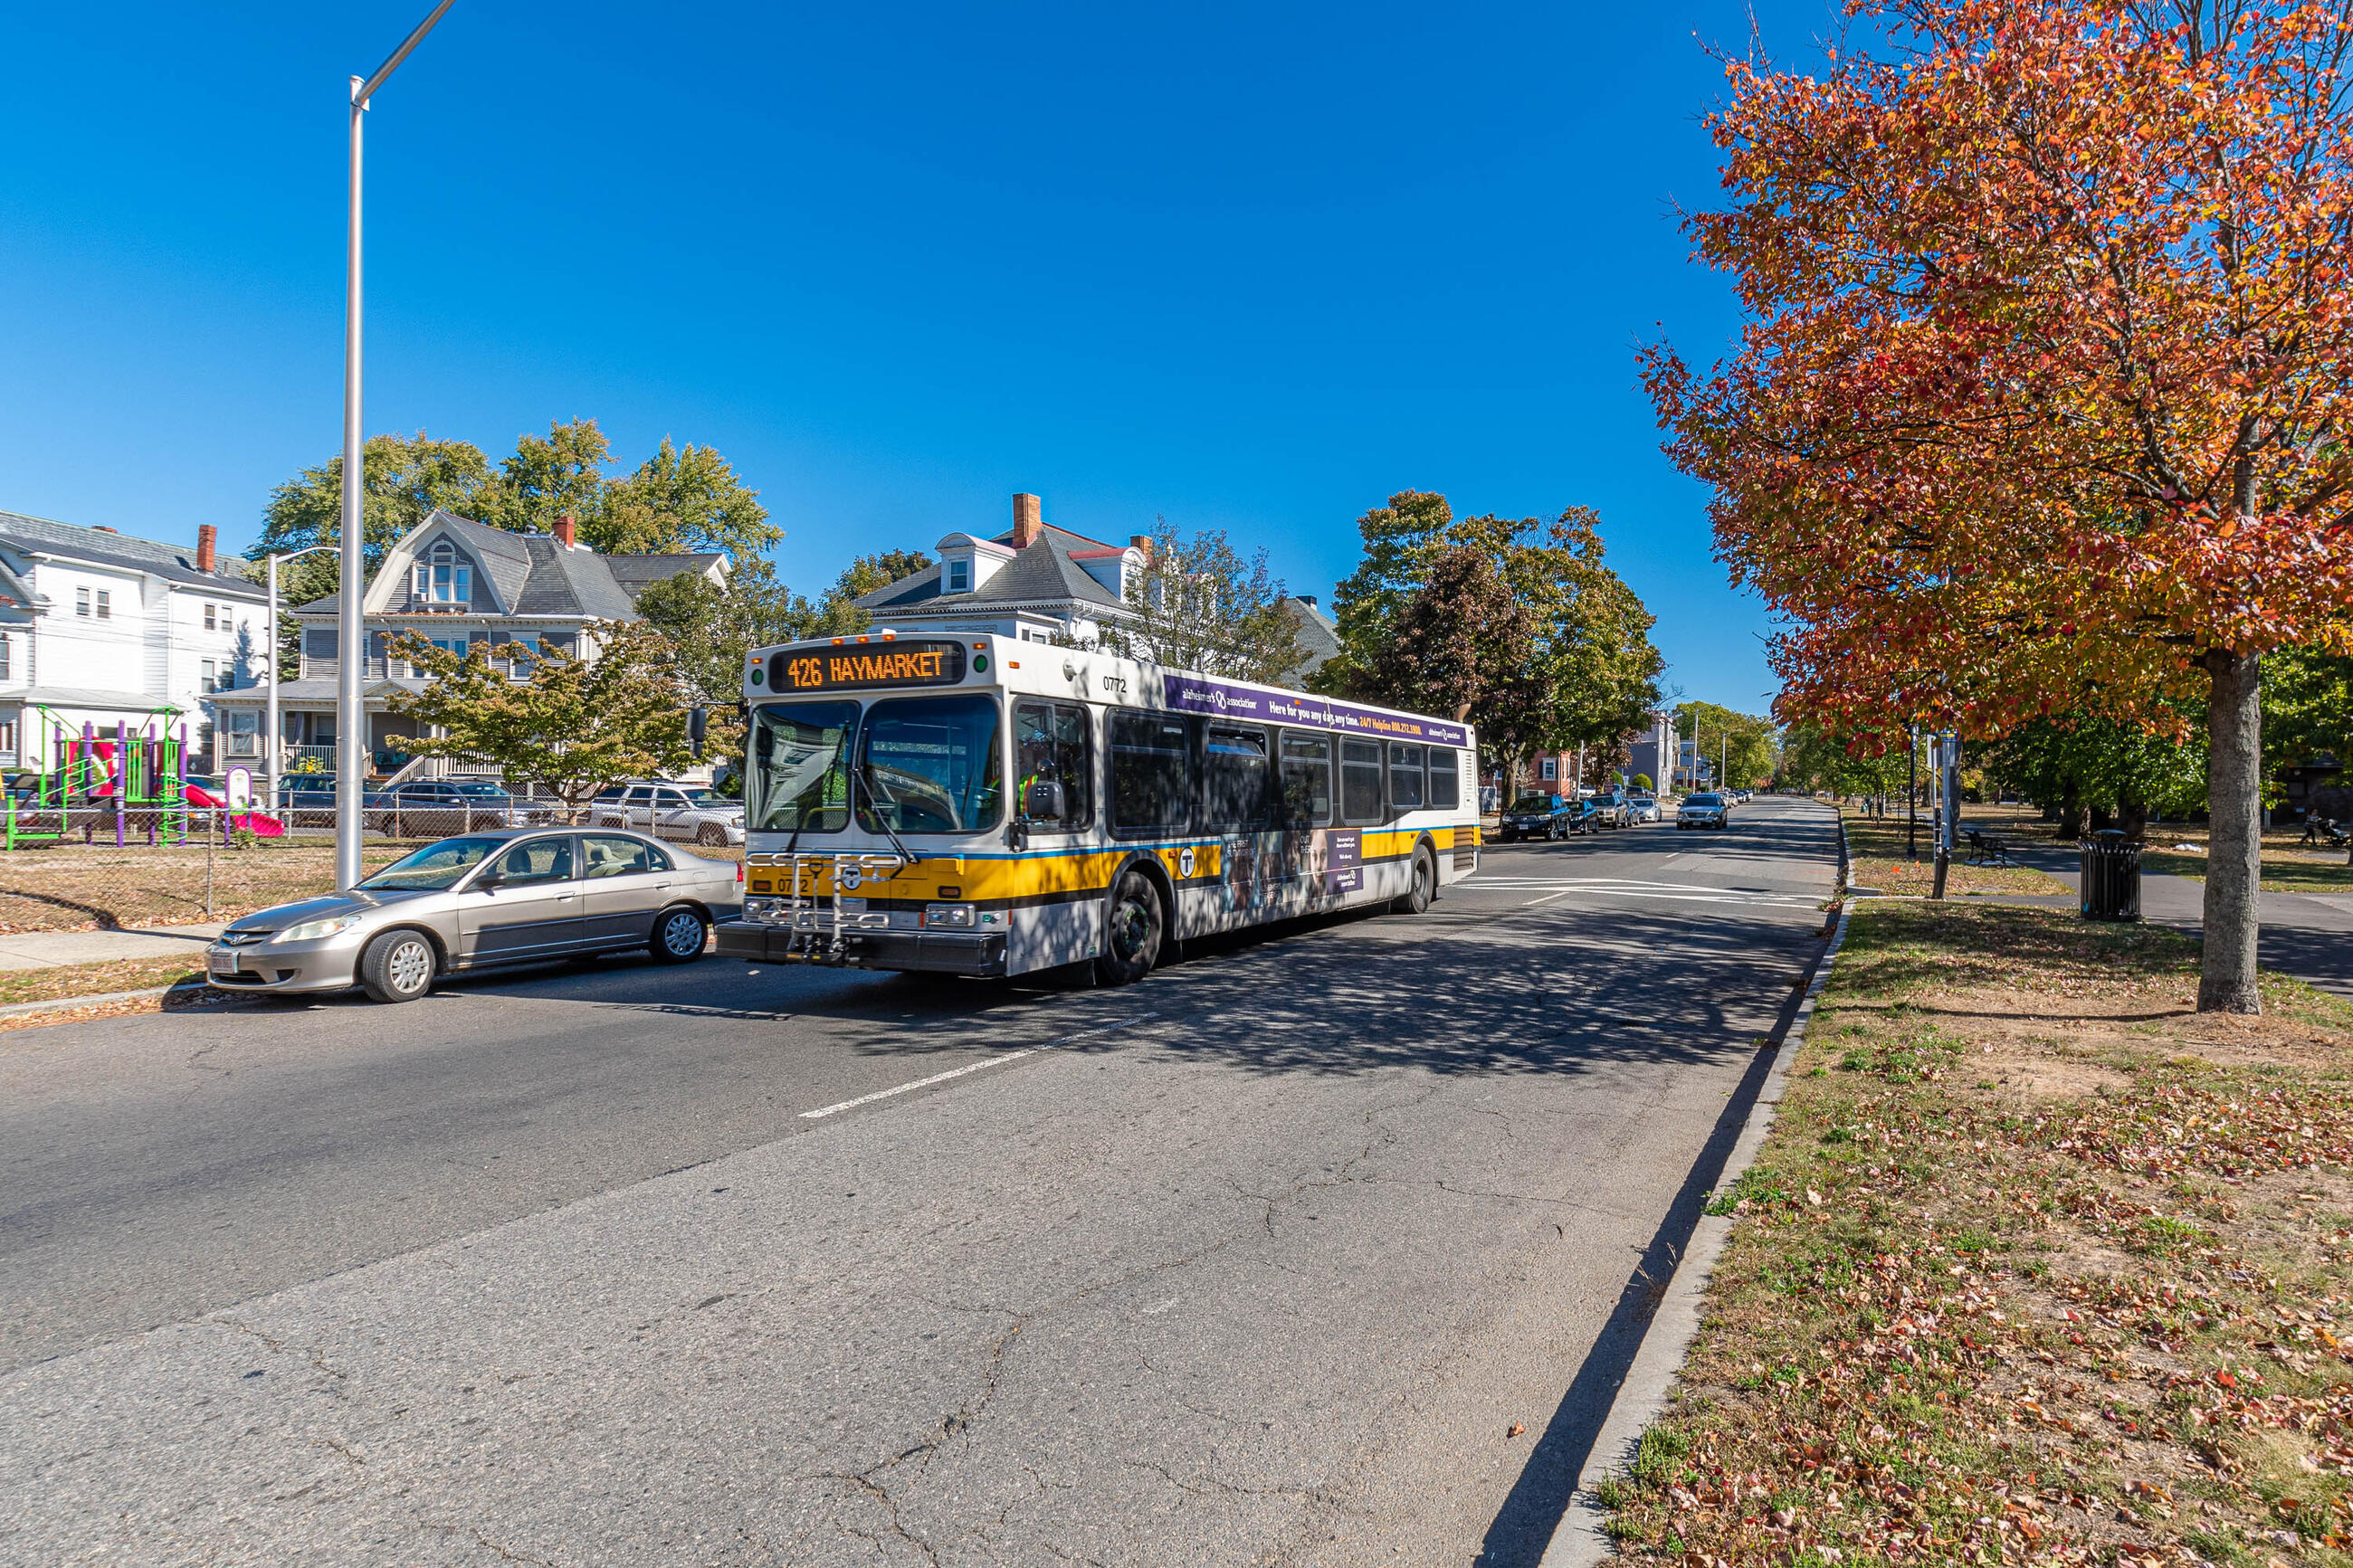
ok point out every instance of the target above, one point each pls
(1151, 771)
(1050, 746)
(1360, 782)
(1306, 781)
(1235, 765)
(1405, 776)
(1445, 788)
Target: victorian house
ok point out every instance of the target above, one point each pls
(456, 584)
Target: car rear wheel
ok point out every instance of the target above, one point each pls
(1134, 928)
(711, 833)
(679, 935)
(398, 967)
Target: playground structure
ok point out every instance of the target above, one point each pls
(132, 784)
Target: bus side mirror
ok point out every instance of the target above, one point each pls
(1043, 801)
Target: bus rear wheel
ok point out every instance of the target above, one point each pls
(1424, 887)
(1136, 926)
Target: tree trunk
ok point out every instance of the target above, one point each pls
(2234, 726)
(2075, 819)
(2133, 817)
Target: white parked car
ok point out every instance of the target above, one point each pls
(685, 812)
(1645, 807)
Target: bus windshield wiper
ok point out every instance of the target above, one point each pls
(857, 779)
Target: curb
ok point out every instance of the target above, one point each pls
(1580, 1541)
(76, 1003)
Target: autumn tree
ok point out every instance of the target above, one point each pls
(2042, 401)
(572, 722)
(1457, 641)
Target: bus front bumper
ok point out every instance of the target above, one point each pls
(981, 956)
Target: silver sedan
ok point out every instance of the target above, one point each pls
(515, 896)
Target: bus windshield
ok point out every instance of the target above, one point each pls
(931, 765)
(800, 767)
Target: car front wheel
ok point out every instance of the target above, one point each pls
(679, 935)
(398, 967)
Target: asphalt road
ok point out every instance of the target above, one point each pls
(1259, 1261)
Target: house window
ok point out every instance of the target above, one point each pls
(8, 739)
(210, 625)
(82, 602)
(959, 576)
(105, 605)
(1552, 767)
(442, 577)
(243, 734)
(517, 654)
(7, 662)
(210, 682)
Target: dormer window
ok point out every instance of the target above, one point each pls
(442, 576)
(960, 576)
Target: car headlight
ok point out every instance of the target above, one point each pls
(312, 930)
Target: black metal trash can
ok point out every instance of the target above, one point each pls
(2110, 877)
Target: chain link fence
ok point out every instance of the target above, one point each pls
(98, 869)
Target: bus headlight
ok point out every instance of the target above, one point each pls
(956, 915)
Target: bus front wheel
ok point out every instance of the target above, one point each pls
(1136, 926)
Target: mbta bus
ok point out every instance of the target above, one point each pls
(977, 806)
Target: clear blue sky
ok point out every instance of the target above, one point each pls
(1245, 266)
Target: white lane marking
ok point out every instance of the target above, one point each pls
(970, 1067)
(1549, 898)
(1156, 1311)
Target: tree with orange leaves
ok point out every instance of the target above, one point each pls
(2043, 402)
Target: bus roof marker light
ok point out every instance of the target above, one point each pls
(865, 640)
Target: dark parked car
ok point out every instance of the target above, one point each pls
(1538, 817)
(1704, 810)
(431, 808)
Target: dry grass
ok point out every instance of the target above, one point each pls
(101, 888)
(96, 979)
(2038, 1264)
(1880, 860)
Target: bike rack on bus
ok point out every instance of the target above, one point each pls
(819, 928)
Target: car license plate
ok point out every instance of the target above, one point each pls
(227, 963)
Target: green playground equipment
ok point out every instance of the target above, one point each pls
(131, 782)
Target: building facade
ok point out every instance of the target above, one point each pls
(101, 633)
(453, 583)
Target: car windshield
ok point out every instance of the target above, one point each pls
(434, 868)
(1533, 803)
(1706, 800)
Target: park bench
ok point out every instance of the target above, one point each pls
(1989, 848)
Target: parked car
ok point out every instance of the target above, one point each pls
(1586, 817)
(1645, 807)
(420, 808)
(1537, 817)
(670, 811)
(1614, 810)
(481, 899)
(1706, 809)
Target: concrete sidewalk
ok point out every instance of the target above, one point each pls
(50, 948)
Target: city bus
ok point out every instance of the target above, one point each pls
(972, 806)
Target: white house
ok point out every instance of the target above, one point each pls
(101, 630)
(1039, 584)
(453, 583)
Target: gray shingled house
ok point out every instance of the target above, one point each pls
(456, 583)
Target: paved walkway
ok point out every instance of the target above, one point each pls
(2308, 935)
(50, 948)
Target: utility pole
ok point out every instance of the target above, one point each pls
(1912, 794)
(351, 747)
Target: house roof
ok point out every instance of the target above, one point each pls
(533, 574)
(1319, 634)
(174, 563)
(91, 697)
(1045, 572)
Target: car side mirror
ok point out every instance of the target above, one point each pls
(489, 881)
(1043, 801)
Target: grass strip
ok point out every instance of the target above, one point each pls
(1880, 856)
(96, 979)
(2038, 1264)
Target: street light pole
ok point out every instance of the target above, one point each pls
(351, 715)
(275, 724)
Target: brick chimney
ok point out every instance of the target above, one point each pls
(1141, 542)
(1027, 521)
(567, 531)
(207, 536)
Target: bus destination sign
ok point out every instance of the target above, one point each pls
(858, 666)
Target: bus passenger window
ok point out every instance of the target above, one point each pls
(1151, 773)
(1235, 762)
(1360, 782)
(1405, 776)
(1050, 746)
(1306, 781)
(1445, 788)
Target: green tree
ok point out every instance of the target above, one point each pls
(572, 724)
(680, 498)
(1399, 542)
(1745, 746)
(709, 629)
(548, 477)
(1200, 604)
(868, 573)
(402, 479)
(1457, 640)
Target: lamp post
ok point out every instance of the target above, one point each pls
(351, 714)
(274, 724)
